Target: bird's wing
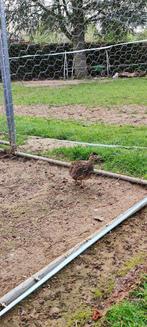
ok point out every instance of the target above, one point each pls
(80, 169)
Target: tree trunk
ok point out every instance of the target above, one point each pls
(79, 60)
(78, 39)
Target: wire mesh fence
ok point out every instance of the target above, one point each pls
(102, 61)
(76, 39)
(75, 73)
(6, 80)
(53, 43)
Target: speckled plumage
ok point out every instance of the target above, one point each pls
(83, 169)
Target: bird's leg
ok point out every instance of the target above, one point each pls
(82, 184)
(78, 182)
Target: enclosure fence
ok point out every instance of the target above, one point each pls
(5, 73)
(44, 46)
(103, 55)
(64, 41)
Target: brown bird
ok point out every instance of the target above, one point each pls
(83, 169)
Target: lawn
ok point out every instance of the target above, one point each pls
(111, 93)
(131, 312)
(131, 162)
(76, 131)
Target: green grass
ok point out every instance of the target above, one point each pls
(113, 92)
(79, 318)
(129, 313)
(21, 139)
(131, 264)
(67, 130)
(128, 162)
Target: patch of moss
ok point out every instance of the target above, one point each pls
(97, 293)
(130, 264)
(107, 286)
(79, 318)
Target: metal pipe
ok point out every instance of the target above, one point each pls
(102, 145)
(17, 291)
(4, 142)
(97, 172)
(64, 67)
(133, 180)
(82, 50)
(51, 161)
(66, 259)
(107, 63)
(5, 70)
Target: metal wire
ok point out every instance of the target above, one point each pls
(5, 70)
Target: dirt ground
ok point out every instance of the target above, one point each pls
(58, 83)
(40, 144)
(72, 293)
(43, 214)
(126, 114)
(131, 114)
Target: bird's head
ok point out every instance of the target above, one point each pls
(95, 158)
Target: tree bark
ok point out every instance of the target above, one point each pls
(78, 40)
(79, 60)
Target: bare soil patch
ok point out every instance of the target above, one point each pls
(73, 290)
(58, 83)
(126, 114)
(40, 144)
(43, 214)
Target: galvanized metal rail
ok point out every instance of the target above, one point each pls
(65, 164)
(4, 142)
(102, 145)
(8, 301)
(98, 145)
(96, 172)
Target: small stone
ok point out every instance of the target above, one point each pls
(99, 218)
(54, 312)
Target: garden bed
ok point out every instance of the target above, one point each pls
(43, 214)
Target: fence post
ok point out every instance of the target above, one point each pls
(108, 63)
(65, 66)
(5, 72)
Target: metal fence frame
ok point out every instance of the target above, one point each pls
(6, 79)
(6, 75)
